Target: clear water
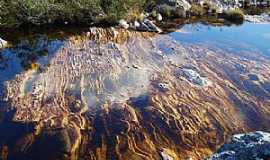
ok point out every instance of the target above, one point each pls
(248, 37)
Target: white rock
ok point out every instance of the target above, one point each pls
(195, 77)
(123, 24)
(159, 17)
(163, 86)
(3, 43)
(149, 26)
(136, 24)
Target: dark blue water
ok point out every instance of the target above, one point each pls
(247, 37)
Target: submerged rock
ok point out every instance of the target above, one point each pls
(194, 77)
(250, 146)
(163, 86)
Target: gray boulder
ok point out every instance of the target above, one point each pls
(250, 146)
(195, 77)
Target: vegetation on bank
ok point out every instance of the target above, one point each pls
(15, 13)
(236, 16)
(37, 12)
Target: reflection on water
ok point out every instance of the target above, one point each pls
(248, 37)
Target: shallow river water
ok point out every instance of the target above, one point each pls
(117, 93)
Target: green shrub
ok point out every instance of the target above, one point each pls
(235, 16)
(17, 12)
(171, 12)
(118, 9)
(197, 10)
(165, 10)
(47, 11)
(252, 10)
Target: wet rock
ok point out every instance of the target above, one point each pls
(148, 26)
(248, 146)
(3, 43)
(163, 86)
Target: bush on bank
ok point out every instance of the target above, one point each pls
(236, 16)
(17, 12)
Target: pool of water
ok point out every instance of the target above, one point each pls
(248, 37)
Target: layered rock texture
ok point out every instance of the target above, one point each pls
(114, 94)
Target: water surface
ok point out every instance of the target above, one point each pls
(248, 37)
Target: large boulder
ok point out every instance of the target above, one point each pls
(250, 146)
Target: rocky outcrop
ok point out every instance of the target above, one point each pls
(247, 146)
